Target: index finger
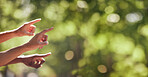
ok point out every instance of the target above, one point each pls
(44, 55)
(46, 30)
(34, 21)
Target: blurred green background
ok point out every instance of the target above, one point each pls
(91, 38)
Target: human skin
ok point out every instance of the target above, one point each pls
(38, 41)
(26, 29)
(35, 60)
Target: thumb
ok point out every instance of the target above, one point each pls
(43, 43)
(30, 34)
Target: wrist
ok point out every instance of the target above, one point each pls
(16, 60)
(12, 33)
(16, 33)
(26, 47)
(21, 59)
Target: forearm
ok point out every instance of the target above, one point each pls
(9, 55)
(7, 35)
(16, 60)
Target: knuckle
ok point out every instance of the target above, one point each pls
(42, 61)
(26, 23)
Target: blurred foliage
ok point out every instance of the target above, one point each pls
(91, 38)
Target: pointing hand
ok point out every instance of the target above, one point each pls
(39, 40)
(27, 29)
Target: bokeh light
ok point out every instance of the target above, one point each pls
(1, 74)
(134, 17)
(25, 12)
(114, 18)
(64, 4)
(144, 30)
(82, 4)
(102, 68)
(123, 5)
(141, 69)
(121, 44)
(54, 12)
(82, 63)
(87, 33)
(109, 9)
(69, 55)
(140, 4)
(138, 51)
(32, 74)
(79, 76)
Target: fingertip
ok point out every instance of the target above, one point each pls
(34, 21)
(39, 19)
(51, 27)
(49, 53)
(47, 30)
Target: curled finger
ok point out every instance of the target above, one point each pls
(44, 43)
(31, 31)
(44, 38)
